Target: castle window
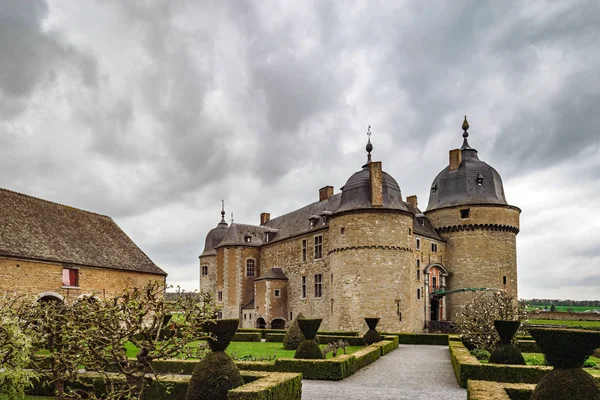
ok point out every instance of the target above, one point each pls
(323, 220)
(204, 270)
(219, 296)
(418, 274)
(303, 287)
(247, 238)
(504, 279)
(318, 285)
(312, 223)
(250, 267)
(418, 244)
(220, 315)
(434, 247)
(318, 247)
(465, 213)
(342, 231)
(434, 283)
(409, 232)
(418, 263)
(244, 315)
(267, 237)
(418, 293)
(304, 249)
(277, 292)
(70, 277)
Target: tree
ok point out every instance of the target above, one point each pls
(553, 308)
(475, 322)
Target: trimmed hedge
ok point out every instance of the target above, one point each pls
(421, 338)
(338, 333)
(258, 386)
(274, 337)
(467, 367)
(527, 346)
(334, 369)
(351, 340)
(263, 332)
(485, 390)
(366, 356)
(247, 337)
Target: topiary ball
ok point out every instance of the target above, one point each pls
(567, 384)
(309, 349)
(212, 378)
(293, 337)
(507, 354)
(309, 327)
(222, 331)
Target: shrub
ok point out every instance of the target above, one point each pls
(293, 337)
(246, 337)
(566, 348)
(569, 383)
(222, 331)
(309, 327)
(308, 349)
(481, 354)
(589, 364)
(507, 354)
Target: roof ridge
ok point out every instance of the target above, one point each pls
(303, 207)
(54, 202)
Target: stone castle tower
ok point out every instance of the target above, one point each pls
(468, 208)
(367, 252)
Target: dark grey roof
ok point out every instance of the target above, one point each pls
(39, 229)
(214, 237)
(356, 193)
(422, 226)
(460, 187)
(298, 222)
(274, 273)
(237, 233)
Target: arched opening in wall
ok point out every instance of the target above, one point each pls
(435, 309)
(278, 323)
(261, 323)
(50, 296)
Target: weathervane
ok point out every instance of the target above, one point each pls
(232, 218)
(369, 147)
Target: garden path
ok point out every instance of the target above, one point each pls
(412, 372)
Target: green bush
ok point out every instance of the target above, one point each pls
(371, 336)
(222, 331)
(275, 337)
(480, 354)
(527, 346)
(334, 369)
(309, 327)
(213, 377)
(566, 348)
(507, 354)
(263, 332)
(352, 341)
(337, 333)
(589, 364)
(366, 356)
(485, 390)
(309, 349)
(246, 337)
(293, 337)
(567, 383)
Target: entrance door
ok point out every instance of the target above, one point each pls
(435, 306)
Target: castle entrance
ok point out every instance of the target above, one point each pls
(261, 323)
(435, 307)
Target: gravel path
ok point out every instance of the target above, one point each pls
(410, 372)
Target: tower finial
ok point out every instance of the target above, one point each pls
(222, 210)
(465, 135)
(369, 146)
(232, 218)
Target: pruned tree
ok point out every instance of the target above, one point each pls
(475, 322)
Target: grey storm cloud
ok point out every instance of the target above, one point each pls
(152, 112)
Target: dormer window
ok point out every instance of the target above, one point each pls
(267, 237)
(313, 220)
(434, 188)
(312, 223)
(479, 179)
(323, 220)
(247, 238)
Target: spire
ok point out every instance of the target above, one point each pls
(369, 146)
(232, 218)
(465, 135)
(222, 210)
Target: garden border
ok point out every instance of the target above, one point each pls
(486, 390)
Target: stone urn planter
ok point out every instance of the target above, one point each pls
(505, 352)
(371, 336)
(309, 349)
(216, 373)
(566, 350)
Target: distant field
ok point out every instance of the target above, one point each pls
(532, 307)
(595, 324)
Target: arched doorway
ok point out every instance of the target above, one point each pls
(261, 323)
(278, 323)
(50, 296)
(435, 307)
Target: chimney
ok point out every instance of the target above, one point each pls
(412, 200)
(376, 184)
(455, 159)
(325, 193)
(264, 218)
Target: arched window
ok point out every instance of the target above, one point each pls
(250, 267)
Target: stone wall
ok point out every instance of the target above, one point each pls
(36, 277)
(208, 283)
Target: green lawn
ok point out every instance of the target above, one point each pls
(532, 307)
(595, 324)
(255, 349)
(537, 358)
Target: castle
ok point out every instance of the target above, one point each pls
(367, 252)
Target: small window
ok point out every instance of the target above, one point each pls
(250, 267)
(249, 316)
(418, 293)
(318, 247)
(244, 315)
(342, 231)
(504, 280)
(291, 318)
(312, 223)
(418, 274)
(204, 270)
(465, 213)
(303, 287)
(318, 285)
(418, 244)
(323, 220)
(247, 238)
(304, 249)
(434, 247)
(267, 237)
(70, 277)
(418, 263)
(434, 284)
(220, 315)
(277, 292)
(219, 296)
(409, 232)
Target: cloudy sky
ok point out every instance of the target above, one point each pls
(153, 111)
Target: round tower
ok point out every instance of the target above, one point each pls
(468, 208)
(208, 258)
(371, 254)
